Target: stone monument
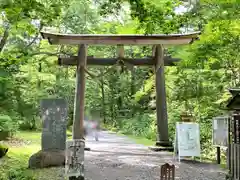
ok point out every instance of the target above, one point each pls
(54, 117)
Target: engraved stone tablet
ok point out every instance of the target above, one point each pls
(54, 116)
(74, 166)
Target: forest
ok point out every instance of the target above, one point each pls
(122, 97)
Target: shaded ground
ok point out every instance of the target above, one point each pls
(113, 157)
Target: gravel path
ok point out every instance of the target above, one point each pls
(116, 157)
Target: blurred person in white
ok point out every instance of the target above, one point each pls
(91, 127)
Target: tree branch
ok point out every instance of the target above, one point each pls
(93, 76)
(35, 38)
(44, 53)
(4, 38)
(33, 41)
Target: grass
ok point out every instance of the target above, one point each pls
(139, 140)
(14, 166)
(34, 137)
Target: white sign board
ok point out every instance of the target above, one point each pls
(187, 140)
(74, 166)
(220, 131)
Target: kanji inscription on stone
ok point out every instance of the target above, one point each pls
(54, 116)
(74, 166)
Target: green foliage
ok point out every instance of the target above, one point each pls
(17, 10)
(120, 95)
(20, 56)
(140, 125)
(153, 16)
(18, 174)
(7, 124)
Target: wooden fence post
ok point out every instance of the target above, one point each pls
(167, 172)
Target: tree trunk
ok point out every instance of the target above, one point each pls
(103, 99)
(39, 71)
(132, 89)
(4, 38)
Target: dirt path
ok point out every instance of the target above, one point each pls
(116, 157)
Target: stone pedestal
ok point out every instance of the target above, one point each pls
(45, 159)
(76, 178)
(162, 147)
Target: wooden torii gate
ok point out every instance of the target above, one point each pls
(158, 60)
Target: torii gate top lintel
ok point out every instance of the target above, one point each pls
(114, 39)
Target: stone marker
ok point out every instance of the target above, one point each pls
(74, 166)
(54, 116)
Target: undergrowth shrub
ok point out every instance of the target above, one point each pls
(7, 124)
(19, 174)
(139, 125)
(30, 123)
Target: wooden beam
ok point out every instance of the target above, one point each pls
(114, 39)
(91, 61)
(78, 130)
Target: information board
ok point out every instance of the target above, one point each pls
(220, 131)
(187, 140)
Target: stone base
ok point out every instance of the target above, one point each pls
(47, 158)
(164, 143)
(162, 146)
(228, 176)
(76, 178)
(87, 149)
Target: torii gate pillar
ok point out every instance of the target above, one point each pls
(163, 142)
(78, 132)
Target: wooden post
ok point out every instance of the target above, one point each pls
(167, 172)
(79, 94)
(161, 104)
(78, 130)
